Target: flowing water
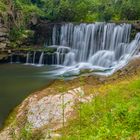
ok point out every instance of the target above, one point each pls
(16, 83)
(96, 47)
(99, 48)
(41, 58)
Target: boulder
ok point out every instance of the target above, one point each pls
(2, 45)
(3, 29)
(3, 39)
(34, 20)
(136, 25)
(3, 34)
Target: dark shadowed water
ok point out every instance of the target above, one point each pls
(16, 83)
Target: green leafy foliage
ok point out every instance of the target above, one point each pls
(26, 132)
(77, 10)
(19, 15)
(2, 6)
(90, 10)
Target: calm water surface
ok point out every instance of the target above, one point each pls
(17, 81)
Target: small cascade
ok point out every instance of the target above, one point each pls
(54, 35)
(41, 58)
(28, 58)
(69, 59)
(103, 58)
(120, 50)
(63, 49)
(60, 54)
(134, 46)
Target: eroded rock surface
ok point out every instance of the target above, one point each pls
(4, 35)
(54, 109)
(51, 111)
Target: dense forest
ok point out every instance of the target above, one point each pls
(18, 14)
(74, 10)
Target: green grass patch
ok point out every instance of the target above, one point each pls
(114, 116)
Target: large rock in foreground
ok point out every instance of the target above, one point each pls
(49, 111)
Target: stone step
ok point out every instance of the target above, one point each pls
(3, 39)
(3, 29)
(3, 34)
(2, 45)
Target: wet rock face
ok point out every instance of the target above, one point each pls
(4, 35)
(136, 25)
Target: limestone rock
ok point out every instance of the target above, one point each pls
(3, 39)
(5, 135)
(3, 29)
(2, 45)
(49, 110)
(3, 34)
(34, 20)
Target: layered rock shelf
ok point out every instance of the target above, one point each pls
(4, 35)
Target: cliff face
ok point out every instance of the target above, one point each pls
(4, 35)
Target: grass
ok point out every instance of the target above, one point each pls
(114, 115)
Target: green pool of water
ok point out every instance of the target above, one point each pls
(16, 83)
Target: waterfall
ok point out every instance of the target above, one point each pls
(28, 58)
(60, 53)
(54, 35)
(101, 45)
(70, 59)
(41, 58)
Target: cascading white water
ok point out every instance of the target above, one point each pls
(99, 45)
(54, 36)
(34, 55)
(41, 58)
(60, 53)
(27, 58)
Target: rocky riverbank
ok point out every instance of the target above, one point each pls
(48, 110)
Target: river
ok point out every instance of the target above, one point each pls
(17, 81)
